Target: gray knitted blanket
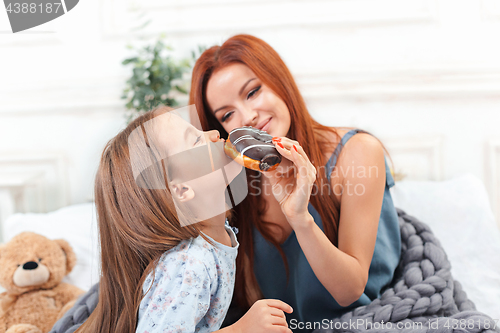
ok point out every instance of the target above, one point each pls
(423, 296)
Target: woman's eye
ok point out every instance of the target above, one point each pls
(251, 93)
(226, 116)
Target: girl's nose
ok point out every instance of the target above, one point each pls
(249, 117)
(213, 135)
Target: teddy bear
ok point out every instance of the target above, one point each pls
(31, 269)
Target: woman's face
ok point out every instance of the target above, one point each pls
(237, 97)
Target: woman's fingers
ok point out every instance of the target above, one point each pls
(305, 167)
(286, 143)
(289, 154)
(292, 144)
(284, 140)
(292, 191)
(293, 152)
(285, 147)
(283, 150)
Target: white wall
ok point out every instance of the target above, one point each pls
(422, 75)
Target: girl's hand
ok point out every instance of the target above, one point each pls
(292, 186)
(265, 315)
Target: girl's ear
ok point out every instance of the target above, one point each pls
(183, 192)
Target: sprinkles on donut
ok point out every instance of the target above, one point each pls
(252, 148)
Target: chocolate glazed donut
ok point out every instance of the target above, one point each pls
(252, 148)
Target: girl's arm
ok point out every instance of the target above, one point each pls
(343, 271)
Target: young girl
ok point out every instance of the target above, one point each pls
(166, 264)
(325, 241)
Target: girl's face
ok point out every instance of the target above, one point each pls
(237, 97)
(189, 156)
(180, 134)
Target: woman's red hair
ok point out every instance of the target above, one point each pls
(267, 65)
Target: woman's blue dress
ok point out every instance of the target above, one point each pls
(311, 302)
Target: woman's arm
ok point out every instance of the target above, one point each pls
(343, 271)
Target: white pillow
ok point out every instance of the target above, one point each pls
(76, 224)
(459, 214)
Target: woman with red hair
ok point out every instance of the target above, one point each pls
(324, 238)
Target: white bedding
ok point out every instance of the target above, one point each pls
(77, 224)
(457, 211)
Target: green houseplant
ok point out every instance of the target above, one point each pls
(157, 78)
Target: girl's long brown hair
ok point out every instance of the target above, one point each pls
(267, 65)
(136, 226)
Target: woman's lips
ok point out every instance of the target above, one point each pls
(266, 125)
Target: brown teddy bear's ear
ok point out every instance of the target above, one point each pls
(68, 251)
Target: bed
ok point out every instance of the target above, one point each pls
(457, 211)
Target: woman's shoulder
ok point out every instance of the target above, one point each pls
(362, 148)
(337, 133)
(334, 137)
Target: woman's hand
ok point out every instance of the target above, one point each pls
(265, 315)
(292, 181)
